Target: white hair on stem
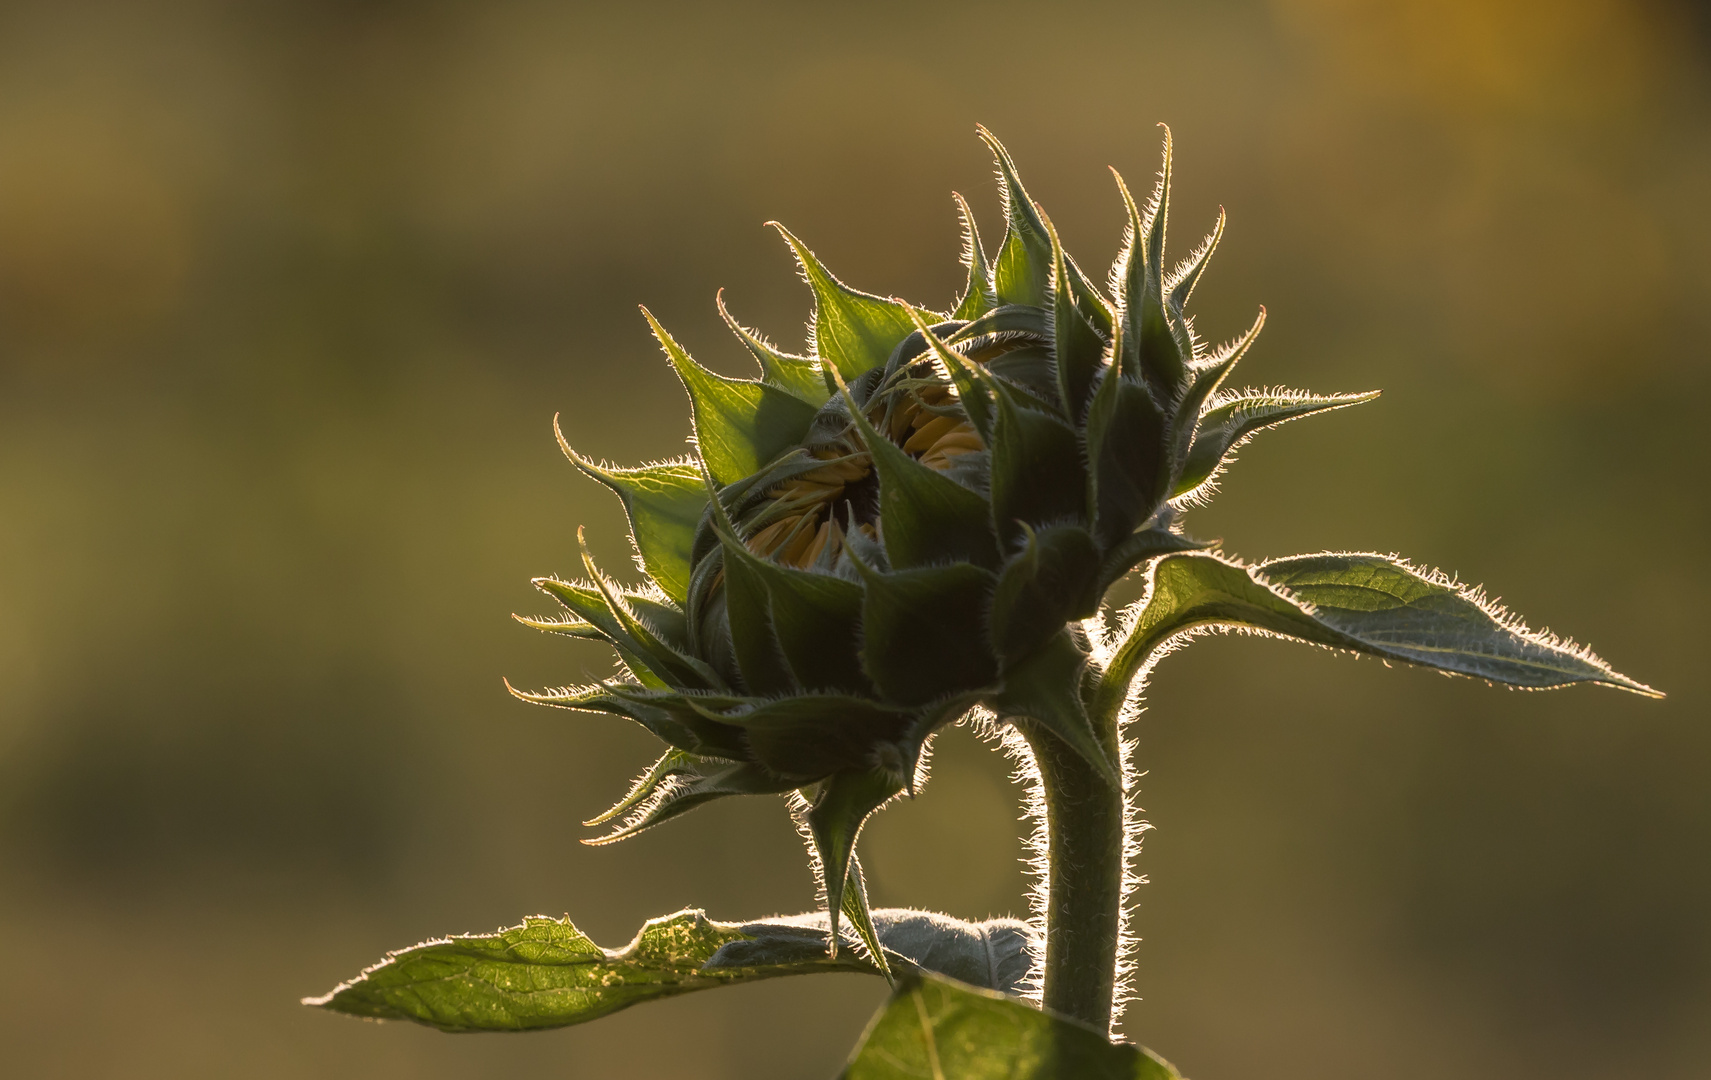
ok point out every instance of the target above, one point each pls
(1134, 826)
(1036, 844)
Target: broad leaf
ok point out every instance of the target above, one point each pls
(998, 954)
(1363, 603)
(937, 1029)
(547, 974)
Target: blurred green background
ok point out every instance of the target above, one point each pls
(289, 294)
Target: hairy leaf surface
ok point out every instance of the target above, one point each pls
(938, 1029)
(1363, 603)
(546, 973)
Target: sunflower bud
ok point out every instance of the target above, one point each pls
(911, 521)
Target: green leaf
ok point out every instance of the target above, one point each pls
(676, 667)
(997, 954)
(683, 789)
(1046, 687)
(1230, 423)
(572, 627)
(546, 973)
(1208, 376)
(925, 517)
(1181, 285)
(810, 736)
(589, 606)
(1021, 274)
(845, 802)
(973, 385)
(749, 611)
(1052, 581)
(937, 1029)
(1128, 467)
(1078, 350)
(1038, 477)
(1154, 345)
(855, 331)
(664, 503)
(859, 916)
(818, 621)
(977, 298)
(1008, 319)
(740, 426)
(672, 763)
(1138, 547)
(1424, 618)
(924, 632)
(815, 618)
(1363, 603)
(601, 699)
(662, 712)
(798, 376)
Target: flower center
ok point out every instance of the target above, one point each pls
(805, 519)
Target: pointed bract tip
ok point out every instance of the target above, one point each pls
(585, 464)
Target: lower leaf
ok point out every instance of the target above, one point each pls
(546, 973)
(934, 1027)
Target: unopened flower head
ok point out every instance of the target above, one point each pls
(908, 522)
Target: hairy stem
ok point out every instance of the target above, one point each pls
(1084, 901)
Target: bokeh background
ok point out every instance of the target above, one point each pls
(290, 292)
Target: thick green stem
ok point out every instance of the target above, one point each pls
(1084, 905)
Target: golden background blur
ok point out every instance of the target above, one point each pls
(289, 294)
